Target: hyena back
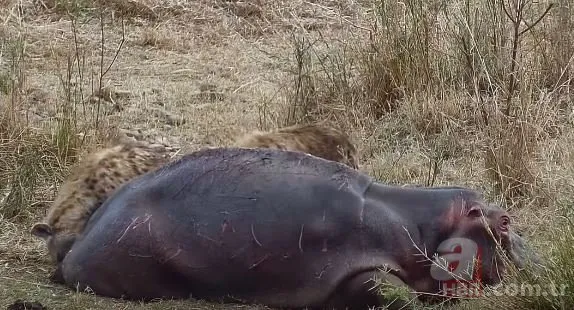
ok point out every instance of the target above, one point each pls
(318, 140)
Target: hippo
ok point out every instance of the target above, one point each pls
(284, 229)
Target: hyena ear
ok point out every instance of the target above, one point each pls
(41, 230)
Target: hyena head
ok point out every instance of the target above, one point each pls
(58, 244)
(91, 182)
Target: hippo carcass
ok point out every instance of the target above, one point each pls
(279, 228)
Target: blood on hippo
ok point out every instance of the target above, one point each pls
(278, 228)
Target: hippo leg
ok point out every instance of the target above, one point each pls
(361, 292)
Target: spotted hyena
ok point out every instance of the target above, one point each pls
(318, 140)
(89, 184)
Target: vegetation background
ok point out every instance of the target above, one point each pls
(462, 92)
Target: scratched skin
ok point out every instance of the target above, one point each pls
(279, 228)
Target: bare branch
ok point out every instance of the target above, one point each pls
(119, 46)
(538, 20)
(508, 14)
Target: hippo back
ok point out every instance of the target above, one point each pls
(208, 180)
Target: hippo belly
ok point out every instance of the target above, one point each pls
(261, 226)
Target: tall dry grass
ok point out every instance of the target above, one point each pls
(36, 157)
(460, 85)
(466, 67)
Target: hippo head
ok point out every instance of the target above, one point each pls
(58, 243)
(482, 234)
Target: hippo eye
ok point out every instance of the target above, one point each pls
(504, 223)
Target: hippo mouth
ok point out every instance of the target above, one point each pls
(519, 252)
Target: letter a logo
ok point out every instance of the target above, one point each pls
(454, 260)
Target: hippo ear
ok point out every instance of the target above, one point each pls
(41, 230)
(474, 211)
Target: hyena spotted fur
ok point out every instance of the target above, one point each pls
(315, 139)
(89, 184)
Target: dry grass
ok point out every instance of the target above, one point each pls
(435, 93)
